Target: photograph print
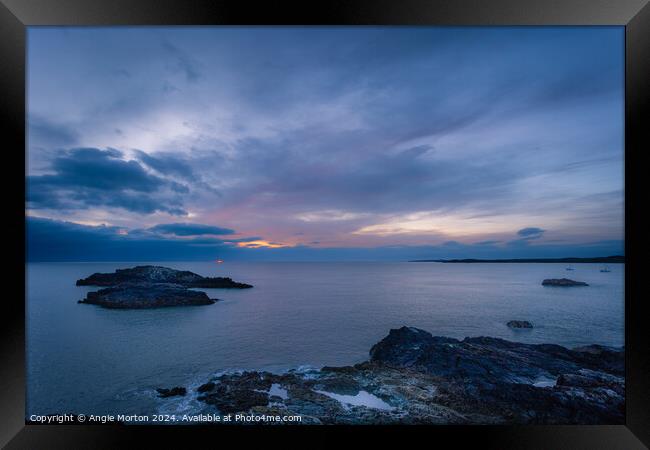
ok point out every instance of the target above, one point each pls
(325, 225)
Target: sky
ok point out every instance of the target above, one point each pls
(324, 143)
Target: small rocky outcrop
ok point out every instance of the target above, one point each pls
(519, 324)
(158, 274)
(562, 282)
(413, 377)
(173, 392)
(241, 395)
(207, 387)
(146, 295)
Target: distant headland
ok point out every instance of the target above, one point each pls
(618, 259)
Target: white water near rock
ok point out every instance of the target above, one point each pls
(363, 398)
(278, 391)
(545, 382)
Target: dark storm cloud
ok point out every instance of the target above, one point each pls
(189, 229)
(85, 177)
(50, 240)
(487, 242)
(531, 233)
(527, 236)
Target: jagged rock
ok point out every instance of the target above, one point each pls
(158, 274)
(562, 282)
(494, 359)
(176, 391)
(230, 401)
(414, 377)
(146, 295)
(206, 387)
(519, 324)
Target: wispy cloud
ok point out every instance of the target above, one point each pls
(531, 233)
(189, 229)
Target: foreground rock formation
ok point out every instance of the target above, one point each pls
(146, 295)
(413, 377)
(158, 274)
(563, 282)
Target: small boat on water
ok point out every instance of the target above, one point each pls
(605, 269)
(570, 268)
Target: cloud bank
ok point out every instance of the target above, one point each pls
(51, 240)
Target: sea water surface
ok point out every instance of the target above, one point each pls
(87, 359)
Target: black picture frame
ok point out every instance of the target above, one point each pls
(16, 15)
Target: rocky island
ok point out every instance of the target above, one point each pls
(164, 393)
(152, 287)
(562, 282)
(158, 274)
(146, 295)
(519, 324)
(413, 377)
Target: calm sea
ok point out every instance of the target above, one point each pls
(86, 359)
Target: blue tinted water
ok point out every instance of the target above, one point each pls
(86, 359)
